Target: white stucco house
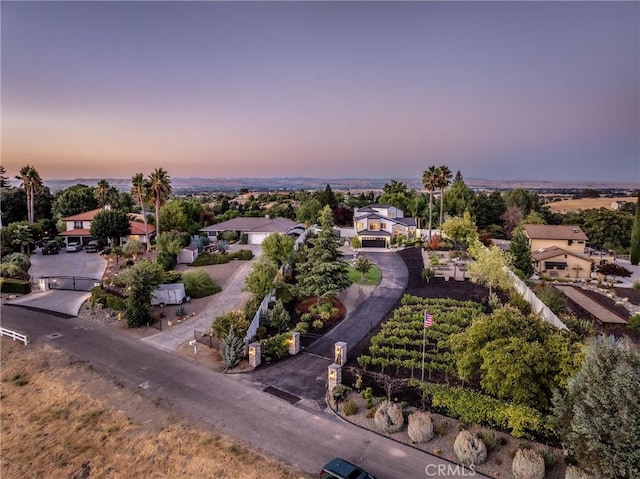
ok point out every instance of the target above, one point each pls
(256, 229)
(375, 225)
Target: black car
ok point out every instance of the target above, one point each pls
(50, 247)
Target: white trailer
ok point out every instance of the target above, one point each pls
(173, 293)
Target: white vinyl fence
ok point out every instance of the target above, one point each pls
(537, 306)
(255, 323)
(15, 335)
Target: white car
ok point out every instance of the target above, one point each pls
(73, 247)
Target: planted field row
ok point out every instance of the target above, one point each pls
(399, 343)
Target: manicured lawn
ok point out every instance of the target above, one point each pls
(371, 278)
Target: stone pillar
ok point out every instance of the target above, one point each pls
(294, 344)
(334, 373)
(44, 286)
(254, 355)
(340, 353)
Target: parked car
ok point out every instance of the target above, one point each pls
(338, 468)
(92, 247)
(50, 247)
(73, 247)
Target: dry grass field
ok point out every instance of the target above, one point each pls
(582, 204)
(61, 419)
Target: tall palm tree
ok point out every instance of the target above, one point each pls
(31, 182)
(140, 190)
(429, 179)
(160, 183)
(443, 180)
(102, 188)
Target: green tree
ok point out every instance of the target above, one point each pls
(608, 229)
(308, 211)
(521, 254)
(74, 200)
(101, 192)
(141, 191)
(397, 194)
(599, 415)
(615, 270)
(443, 180)
(356, 243)
(461, 230)
(362, 265)
(19, 234)
(160, 186)
(172, 217)
(142, 279)
(511, 218)
(489, 267)
(324, 274)
(110, 225)
(133, 248)
(526, 201)
(278, 247)
(430, 182)
(279, 317)
(458, 198)
(635, 235)
(328, 197)
(259, 281)
(31, 182)
(13, 202)
(232, 319)
(15, 265)
(4, 179)
(487, 210)
(169, 243)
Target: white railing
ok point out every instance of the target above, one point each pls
(15, 335)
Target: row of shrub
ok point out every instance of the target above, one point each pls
(15, 286)
(472, 407)
(206, 259)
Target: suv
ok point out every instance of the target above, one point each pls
(338, 468)
(50, 247)
(92, 247)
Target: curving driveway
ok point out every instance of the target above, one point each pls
(78, 264)
(305, 375)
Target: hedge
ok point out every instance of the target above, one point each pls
(99, 295)
(472, 407)
(275, 347)
(206, 259)
(16, 286)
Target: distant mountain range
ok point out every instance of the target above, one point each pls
(201, 185)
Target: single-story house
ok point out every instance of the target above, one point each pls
(375, 225)
(256, 229)
(568, 237)
(79, 228)
(188, 254)
(556, 262)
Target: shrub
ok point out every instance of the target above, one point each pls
(420, 427)
(16, 286)
(388, 417)
(517, 301)
(441, 428)
(528, 464)
(114, 302)
(636, 285)
(261, 332)
(229, 236)
(493, 442)
(279, 317)
(275, 347)
(172, 276)
(181, 312)
(166, 260)
(244, 238)
(231, 349)
(206, 259)
(302, 327)
(317, 324)
(243, 255)
(634, 322)
(198, 284)
(469, 449)
(367, 394)
(307, 317)
(428, 274)
(340, 392)
(371, 413)
(350, 408)
(224, 322)
(549, 458)
(553, 298)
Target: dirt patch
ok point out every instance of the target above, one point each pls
(53, 425)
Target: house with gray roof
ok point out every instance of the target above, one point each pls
(376, 224)
(256, 229)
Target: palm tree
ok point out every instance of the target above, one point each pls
(140, 189)
(443, 180)
(31, 182)
(102, 188)
(429, 179)
(160, 183)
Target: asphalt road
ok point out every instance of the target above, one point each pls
(296, 435)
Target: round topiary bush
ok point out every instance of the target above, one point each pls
(528, 464)
(469, 449)
(389, 417)
(420, 427)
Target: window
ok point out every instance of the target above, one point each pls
(359, 225)
(383, 226)
(570, 242)
(77, 225)
(374, 226)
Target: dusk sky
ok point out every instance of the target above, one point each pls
(498, 90)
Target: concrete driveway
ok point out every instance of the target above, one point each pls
(78, 264)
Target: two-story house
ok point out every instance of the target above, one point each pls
(558, 251)
(375, 225)
(79, 228)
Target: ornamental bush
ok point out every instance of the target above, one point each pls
(275, 347)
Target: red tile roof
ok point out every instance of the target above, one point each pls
(138, 228)
(78, 232)
(86, 216)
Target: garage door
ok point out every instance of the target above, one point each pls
(374, 243)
